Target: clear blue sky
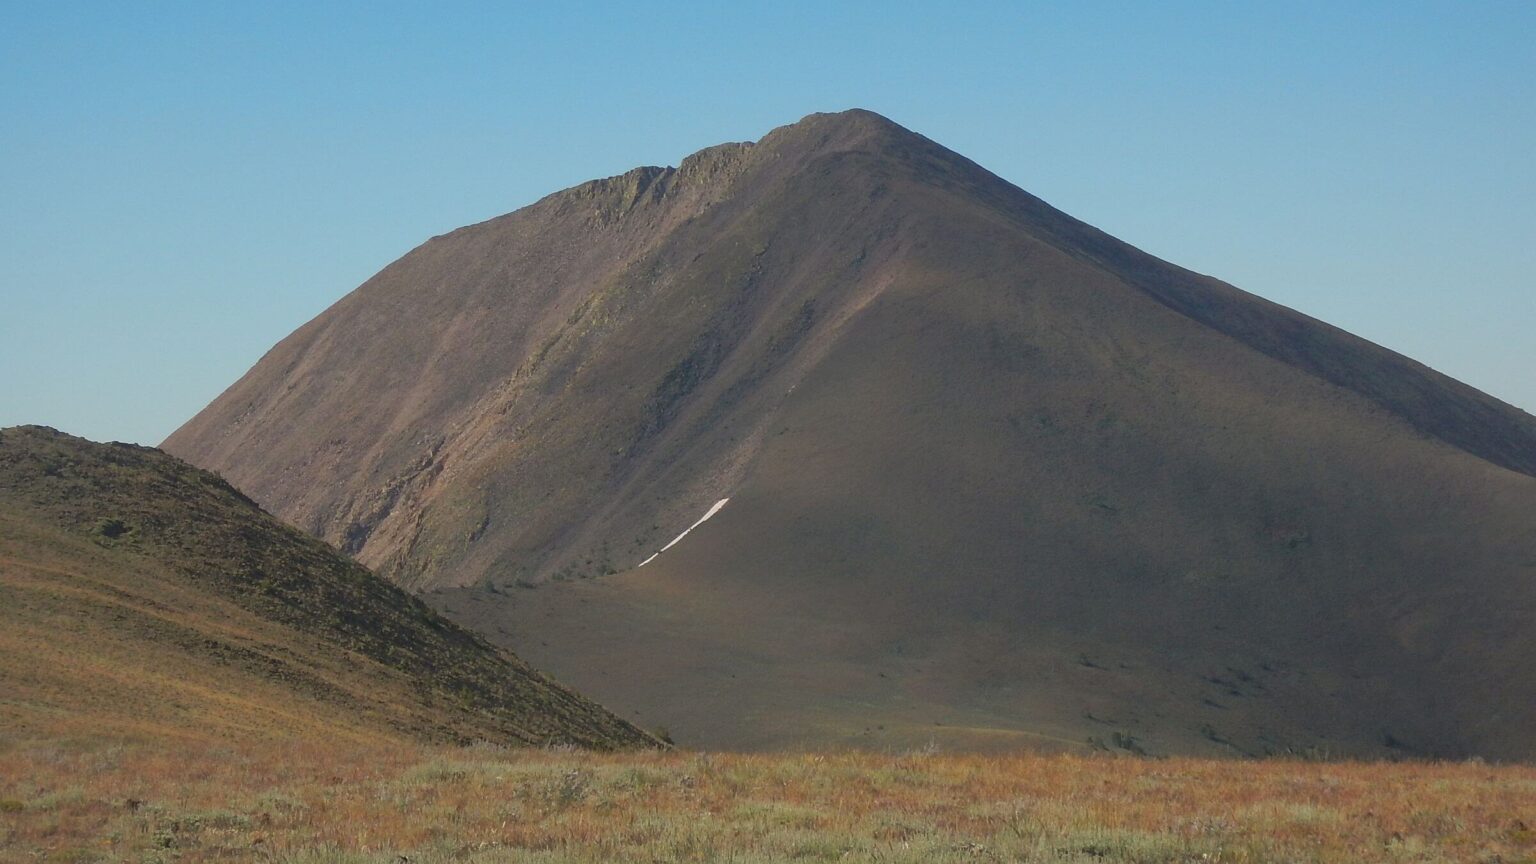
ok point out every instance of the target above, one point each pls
(181, 185)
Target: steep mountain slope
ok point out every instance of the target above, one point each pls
(987, 468)
(141, 596)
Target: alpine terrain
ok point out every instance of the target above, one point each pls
(976, 472)
(141, 598)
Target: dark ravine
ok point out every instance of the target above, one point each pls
(995, 476)
(148, 557)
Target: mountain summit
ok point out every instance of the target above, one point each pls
(973, 470)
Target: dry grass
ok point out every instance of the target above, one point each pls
(306, 803)
(140, 596)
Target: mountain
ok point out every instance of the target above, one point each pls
(142, 597)
(991, 477)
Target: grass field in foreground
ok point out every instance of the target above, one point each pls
(308, 803)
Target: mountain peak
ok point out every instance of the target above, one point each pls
(952, 422)
(861, 119)
(855, 128)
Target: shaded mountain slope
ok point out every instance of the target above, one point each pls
(142, 596)
(988, 468)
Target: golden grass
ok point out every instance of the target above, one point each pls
(139, 595)
(304, 802)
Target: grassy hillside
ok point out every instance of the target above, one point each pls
(350, 805)
(142, 597)
(992, 475)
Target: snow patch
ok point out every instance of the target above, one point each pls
(702, 519)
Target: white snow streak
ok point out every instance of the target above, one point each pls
(702, 519)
